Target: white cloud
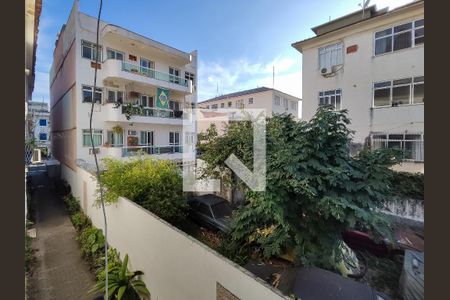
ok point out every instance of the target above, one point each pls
(241, 74)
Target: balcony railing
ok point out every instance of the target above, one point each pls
(152, 73)
(153, 150)
(152, 112)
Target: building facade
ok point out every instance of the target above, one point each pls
(40, 123)
(274, 101)
(371, 63)
(142, 88)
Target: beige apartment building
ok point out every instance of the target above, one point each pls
(371, 62)
(274, 101)
(142, 88)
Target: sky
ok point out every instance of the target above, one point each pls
(238, 42)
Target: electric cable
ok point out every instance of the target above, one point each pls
(94, 152)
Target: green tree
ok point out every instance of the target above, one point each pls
(154, 184)
(315, 189)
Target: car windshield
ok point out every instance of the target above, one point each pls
(221, 210)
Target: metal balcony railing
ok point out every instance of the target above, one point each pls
(152, 112)
(152, 150)
(152, 73)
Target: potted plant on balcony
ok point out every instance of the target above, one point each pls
(177, 113)
(117, 129)
(130, 110)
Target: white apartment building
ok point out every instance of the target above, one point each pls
(142, 88)
(40, 123)
(371, 63)
(274, 101)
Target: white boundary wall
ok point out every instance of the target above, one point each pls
(176, 266)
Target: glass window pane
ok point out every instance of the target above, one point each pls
(110, 54)
(119, 96)
(87, 96)
(379, 136)
(402, 81)
(402, 40)
(98, 97)
(382, 84)
(419, 79)
(419, 93)
(419, 23)
(111, 97)
(401, 95)
(383, 45)
(413, 137)
(383, 33)
(87, 52)
(394, 145)
(396, 137)
(419, 36)
(402, 27)
(338, 102)
(382, 97)
(119, 56)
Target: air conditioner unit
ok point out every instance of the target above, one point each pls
(97, 151)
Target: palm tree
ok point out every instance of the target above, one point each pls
(123, 284)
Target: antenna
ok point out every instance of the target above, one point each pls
(217, 89)
(364, 6)
(273, 77)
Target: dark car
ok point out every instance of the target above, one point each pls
(314, 283)
(211, 211)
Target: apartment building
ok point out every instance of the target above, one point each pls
(142, 88)
(371, 62)
(39, 123)
(274, 101)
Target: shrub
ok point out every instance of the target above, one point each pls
(408, 185)
(29, 253)
(72, 204)
(155, 185)
(80, 221)
(92, 244)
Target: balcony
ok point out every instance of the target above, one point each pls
(151, 150)
(148, 115)
(133, 72)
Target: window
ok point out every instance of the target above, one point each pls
(97, 136)
(174, 138)
(146, 101)
(42, 136)
(277, 100)
(87, 94)
(204, 209)
(174, 75)
(114, 139)
(174, 105)
(332, 98)
(293, 105)
(222, 105)
(132, 132)
(411, 144)
(286, 103)
(332, 55)
(42, 122)
(230, 104)
(214, 106)
(88, 50)
(147, 67)
(250, 100)
(114, 96)
(114, 54)
(399, 92)
(189, 76)
(400, 37)
(240, 103)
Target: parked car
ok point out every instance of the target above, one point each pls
(313, 283)
(211, 211)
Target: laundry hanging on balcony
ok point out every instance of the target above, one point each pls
(162, 98)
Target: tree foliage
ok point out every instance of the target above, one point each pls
(315, 189)
(155, 185)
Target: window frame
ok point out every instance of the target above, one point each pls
(386, 139)
(92, 46)
(98, 132)
(411, 85)
(99, 90)
(275, 98)
(45, 121)
(114, 136)
(334, 94)
(174, 143)
(341, 43)
(250, 100)
(43, 134)
(115, 95)
(115, 54)
(393, 34)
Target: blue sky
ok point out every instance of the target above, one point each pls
(238, 41)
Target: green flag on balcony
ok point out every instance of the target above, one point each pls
(162, 98)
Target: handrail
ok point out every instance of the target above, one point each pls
(136, 150)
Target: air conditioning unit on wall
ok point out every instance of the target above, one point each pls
(326, 71)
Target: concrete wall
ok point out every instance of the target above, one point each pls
(176, 265)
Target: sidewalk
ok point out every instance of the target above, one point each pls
(59, 271)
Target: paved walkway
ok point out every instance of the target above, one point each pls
(59, 271)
